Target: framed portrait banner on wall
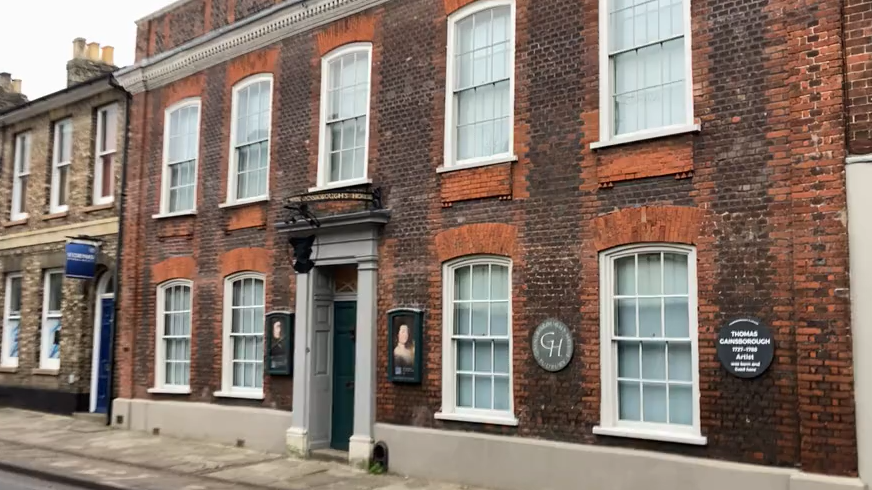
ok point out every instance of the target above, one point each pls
(279, 343)
(405, 345)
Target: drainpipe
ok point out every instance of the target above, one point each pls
(119, 247)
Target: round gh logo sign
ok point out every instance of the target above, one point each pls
(552, 345)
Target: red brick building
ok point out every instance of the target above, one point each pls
(643, 173)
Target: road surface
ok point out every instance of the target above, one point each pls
(13, 481)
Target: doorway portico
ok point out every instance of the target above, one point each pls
(330, 392)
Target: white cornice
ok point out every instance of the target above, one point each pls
(858, 159)
(243, 37)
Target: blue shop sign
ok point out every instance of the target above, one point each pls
(81, 260)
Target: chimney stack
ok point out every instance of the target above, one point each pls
(88, 62)
(10, 92)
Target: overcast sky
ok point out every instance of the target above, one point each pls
(36, 36)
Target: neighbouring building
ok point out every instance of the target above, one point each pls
(481, 184)
(61, 167)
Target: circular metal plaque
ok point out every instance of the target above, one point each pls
(552, 345)
(745, 348)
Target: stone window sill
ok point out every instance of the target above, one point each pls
(170, 391)
(478, 419)
(239, 394)
(98, 207)
(18, 222)
(496, 160)
(176, 214)
(248, 202)
(62, 214)
(652, 435)
(646, 135)
(9, 369)
(45, 372)
(340, 185)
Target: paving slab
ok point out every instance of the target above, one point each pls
(81, 452)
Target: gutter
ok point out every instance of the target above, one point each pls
(31, 108)
(119, 248)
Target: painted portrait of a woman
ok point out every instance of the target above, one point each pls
(404, 352)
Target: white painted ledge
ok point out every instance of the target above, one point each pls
(192, 212)
(482, 162)
(246, 202)
(237, 394)
(478, 419)
(651, 435)
(646, 135)
(858, 159)
(340, 185)
(170, 391)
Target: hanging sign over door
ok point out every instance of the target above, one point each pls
(81, 260)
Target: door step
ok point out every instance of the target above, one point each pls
(331, 455)
(97, 418)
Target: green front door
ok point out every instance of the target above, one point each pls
(344, 321)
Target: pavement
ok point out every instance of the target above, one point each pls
(86, 454)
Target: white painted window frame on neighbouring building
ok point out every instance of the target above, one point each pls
(10, 347)
(629, 350)
(477, 368)
(637, 80)
(173, 337)
(181, 149)
(238, 145)
(481, 122)
(105, 150)
(335, 113)
(49, 316)
(60, 167)
(239, 312)
(20, 176)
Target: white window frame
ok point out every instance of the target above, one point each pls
(22, 152)
(45, 342)
(6, 360)
(160, 385)
(607, 88)
(610, 424)
(451, 104)
(450, 410)
(56, 164)
(96, 197)
(227, 388)
(165, 165)
(232, 176)
(323, 153)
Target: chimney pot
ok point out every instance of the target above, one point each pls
(16, 86)
(79, 48)
(108, 55)
(94, 51)
(5, 82)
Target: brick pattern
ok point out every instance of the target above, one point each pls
(79, 296)
(760, 199)
(484, 238)
(671, 157)
(173, 268)
(246, 217)
(359, 28)
(476, 183)
(657, 224)
(858, 61)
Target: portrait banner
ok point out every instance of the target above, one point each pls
(279, 341)
(405, 345)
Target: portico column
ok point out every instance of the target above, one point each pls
(360, 444)
(859, 180)
(297, 436)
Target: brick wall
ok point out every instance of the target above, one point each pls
(759, 191)
(34, 257)
(858, 58)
